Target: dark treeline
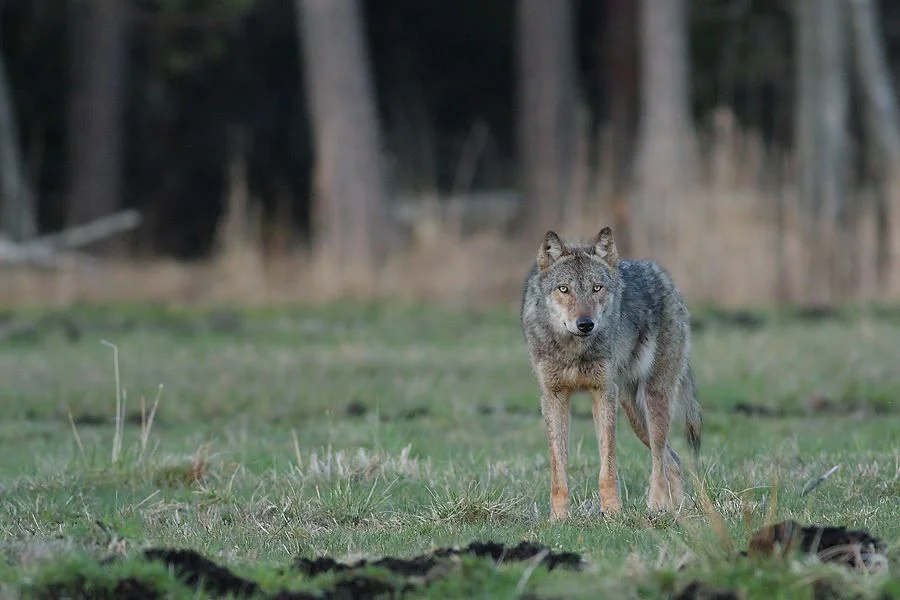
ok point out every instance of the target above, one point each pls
(203, 78)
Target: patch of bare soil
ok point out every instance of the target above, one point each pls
(732, 319)
(816, 405)
(358, 581)
(748, 320)
(420, 566)
(200, 572)
(854, 548)
(699, 590)
(353, 584)
(129, 588)
(53, 327)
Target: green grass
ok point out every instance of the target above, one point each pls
(365, 431)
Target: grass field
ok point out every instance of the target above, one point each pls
(367, 431)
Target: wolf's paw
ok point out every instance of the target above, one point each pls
(557, 516)
(610, 506)
(559, 506)
(665, 498)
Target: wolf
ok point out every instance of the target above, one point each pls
(620, 330)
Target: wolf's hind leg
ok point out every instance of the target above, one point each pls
(634, 410)
(666, 489)
(634, 403)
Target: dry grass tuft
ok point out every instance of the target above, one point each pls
(181, 473)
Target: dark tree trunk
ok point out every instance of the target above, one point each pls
(882, 120)
(18, 217)
(98, 89)
(546, 112)
(821, 129)
(620, 78)
(350, 197)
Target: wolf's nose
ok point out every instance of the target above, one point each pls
(585, 324)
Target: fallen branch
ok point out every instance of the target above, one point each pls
(819, 481)
(45, 250)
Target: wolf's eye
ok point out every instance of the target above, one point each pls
(564, 289)
(597, 288)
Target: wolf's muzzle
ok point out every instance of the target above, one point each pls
(585, 324)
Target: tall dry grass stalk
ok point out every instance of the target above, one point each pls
(740, 242)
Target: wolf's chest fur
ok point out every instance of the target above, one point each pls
(590, 367)
(579, 368)
(580, 376)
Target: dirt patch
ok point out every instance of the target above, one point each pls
(815, 405)
(530, 411)
(757, 410)
(394, 577)
(132, 588)
(414, 413)
(355, 408)
(129, 588)
(814, 313)
(854, 548)
(90, 419)
(735, 319)
(200, 572)
(511, 409)
(52, 326)
(700, 590)
(410, 414)
(420, 566)
(747, 320)
(819, 404)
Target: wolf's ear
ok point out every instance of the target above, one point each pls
(551, 249)
(605, 247)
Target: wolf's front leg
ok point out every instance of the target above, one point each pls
(605, 410)
(555, 408)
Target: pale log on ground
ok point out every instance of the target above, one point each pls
(45, 250)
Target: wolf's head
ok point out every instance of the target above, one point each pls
(580, 284)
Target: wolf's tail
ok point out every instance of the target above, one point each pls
(693, 419)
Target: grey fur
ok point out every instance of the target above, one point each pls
(639, 347)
